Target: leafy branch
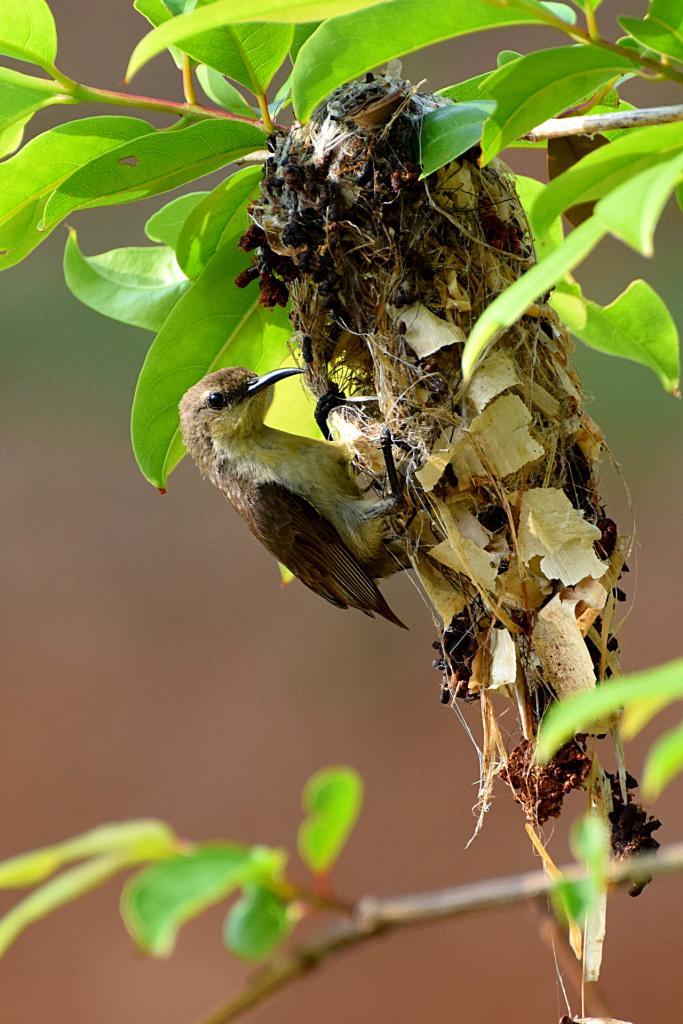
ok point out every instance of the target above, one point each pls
(372, 918)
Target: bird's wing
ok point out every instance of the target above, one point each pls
(311, 548)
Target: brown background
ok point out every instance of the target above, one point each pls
(152, 666)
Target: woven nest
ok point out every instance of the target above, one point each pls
(386, 274)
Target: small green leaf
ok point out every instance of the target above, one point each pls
(632, 211)
(230, 12)
(532, 88)
(63, 889)
(511, 304)
(568, 717)
(21, 95)
(573, 900)
(332, 800)
(469, 89)
(27, 179)
(590, 844)
(137, 840)
(661, 30)
(159, 900)
(27, 31)
(152, 164)
(256, 924)
(222, 92)
(450, 131)
(606, 168)
(139, 285)
(637, 325)
(349, 46)
(214, 218)
(561, 11)
(664, 762)
(164, 225)
(214, 324)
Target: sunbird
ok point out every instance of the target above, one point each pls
(296, 494)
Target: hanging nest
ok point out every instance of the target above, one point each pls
(506, 530)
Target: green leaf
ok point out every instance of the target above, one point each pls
(603, 170)
(250, 54)
(469, 89)
(230, 12)
(332, 800)
(159, 900)
(12, 137)
(561, 11)
(664, 762)
(156, 13)
(302, 32)
(590, 844)
(21, 95)
(528, 189)
(662, 29)
(573, 899)
(566, 718)
(164, 225)
(511, 304)
(450, 131)
(206, 225)
(27, 179)
(152, 164)
(138, 285)
(256, 924)
(222, 92)
(214, 324)
(540, 85)
(63, 889)
(136, 840)
(27, 31)
(632, 211)
(349, 46)
(637, 325)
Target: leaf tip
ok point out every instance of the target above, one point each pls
(162, 490)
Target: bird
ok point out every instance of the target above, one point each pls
(296, 494)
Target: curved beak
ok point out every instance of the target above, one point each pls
(273, 377)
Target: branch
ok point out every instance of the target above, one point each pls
(374, 917)
(592, 124)
(89, 94)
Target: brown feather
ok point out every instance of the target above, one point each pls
(308, 544)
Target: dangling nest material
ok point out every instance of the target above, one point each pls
(387, 274)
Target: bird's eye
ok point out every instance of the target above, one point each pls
(216, 400)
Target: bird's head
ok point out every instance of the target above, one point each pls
(224, 407)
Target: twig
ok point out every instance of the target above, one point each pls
(374, 917)
(591, 124)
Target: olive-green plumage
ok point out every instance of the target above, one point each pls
(296, 494)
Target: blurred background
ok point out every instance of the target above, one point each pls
(153, 665)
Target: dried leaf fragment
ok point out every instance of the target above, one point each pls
(464, 549)
(502, 434)
(497, 373)
(426, 332)
(551, 527)
(561, 649)
(503, 659)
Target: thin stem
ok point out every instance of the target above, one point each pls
(195, 112)
(188, 85)
(593, 124)
(374, 917)
(591, 23)
(265, 113)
